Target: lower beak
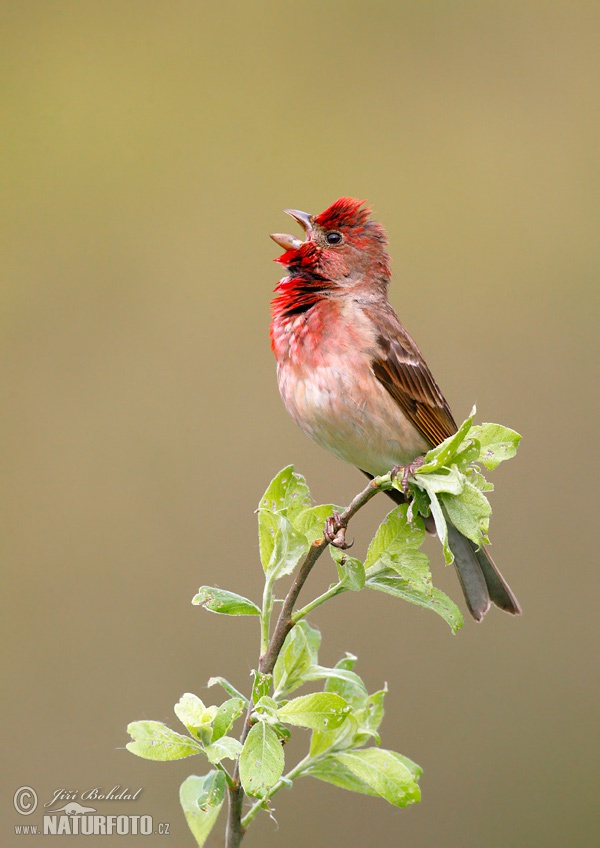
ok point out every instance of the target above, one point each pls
(288, 242)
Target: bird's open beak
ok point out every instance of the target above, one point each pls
(288, 242)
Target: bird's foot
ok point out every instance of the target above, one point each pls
(335, 532)
(406, 470)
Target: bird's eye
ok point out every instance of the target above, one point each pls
(333, 238)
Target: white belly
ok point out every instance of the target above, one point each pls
(352, 415)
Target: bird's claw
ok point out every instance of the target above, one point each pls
(407, 470)
(335, 532)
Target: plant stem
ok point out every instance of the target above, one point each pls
(228, 777)
(283, 781)
(265, 617)
(337, 589)
(235, 827)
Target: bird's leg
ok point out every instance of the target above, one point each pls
(335, 532)
(407, 470)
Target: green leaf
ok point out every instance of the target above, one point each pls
(449, 480)
(469, 512)
(228, 687)
(475, 477)
(373, 771)
(224, 748)
(343, 681)
(311, 522)
(439, 518)
(334, 740)
(287, 493)
(351, 571)
(267, 707)
(498, 443)
(370, 717)
(332, 770)
(281, 547)
(190, 711)
(299, 653)
(395, 565)
(261, 760)
(227, 713)
(419, 504)
(391, 583)
(347, 678)
(226, 603)
(319, 711)
(469, 453)
(196, 717)
(393, 537)
(444, 453)
(261, 686)
(153, 740)
(210, 791)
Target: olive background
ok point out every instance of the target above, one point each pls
(148, 150)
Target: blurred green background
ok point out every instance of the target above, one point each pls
(148, 150)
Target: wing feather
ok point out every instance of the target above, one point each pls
(399, 366)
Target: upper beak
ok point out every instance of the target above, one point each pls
(288, 242)
(304, 219)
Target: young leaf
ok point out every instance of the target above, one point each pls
(373, 771)
(224, 748)
(475, 477)
(391, 583)
(227, 713)
(153, 740)
(498, 443)
(347, 679)
(196, 717)
(319, 711)
(267, 708)
(334, 740)
(287, 493)
(370, 717)
(190, 710)
(261, 686)
(351, 571)
(299, 652)
(280, 545)
(332, 770)
(444, 453)
(210, 792)
(343, 681)
(261, 760)
(228, 687)
(439, 518)
(469, 512)
(311, 522)
(394, 536)
(226, 603)
(449, 480)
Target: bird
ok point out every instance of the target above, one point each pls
(352, 377)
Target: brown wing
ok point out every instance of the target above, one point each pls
(401, 369)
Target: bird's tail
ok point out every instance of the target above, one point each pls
(479, 578)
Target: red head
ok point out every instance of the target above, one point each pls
(343, 246)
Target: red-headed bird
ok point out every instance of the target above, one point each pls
(351, 376)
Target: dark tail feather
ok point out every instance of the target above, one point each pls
(479, 578)
(469, 571)
(500, 592)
